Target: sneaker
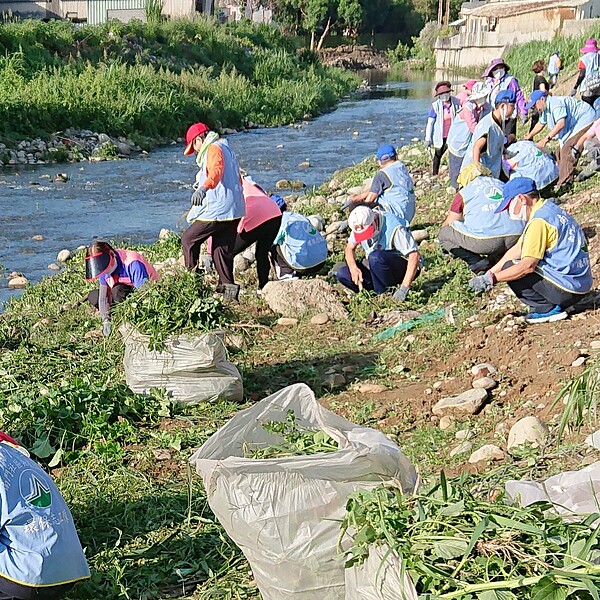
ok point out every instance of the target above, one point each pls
(556, 314)
(481, 266)
(288, 277)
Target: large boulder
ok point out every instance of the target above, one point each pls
(297, 297)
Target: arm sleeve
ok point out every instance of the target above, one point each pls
(560, 112)
(404, 242)
(429, 128)
(380, 183)
(516, 88)
(215, 167)
(537, 238)
(581, 75)
(103, 304)
(469, 118)
(137, 273)
(457, 205)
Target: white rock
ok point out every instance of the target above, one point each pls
(38, 238)
(420, 235)
(595, 345)
(53, 267)
(579, 362)
(527, 429)
(464, 434)
(17, 282)
(63, 256)
(334, 227)
(467, 403)
(240, 264)
(463, 448)
(164, 233)
(320, 319)
(287, 321)
(484, 383)
(446, 422)
(371, 388)
(317, 222)
(487, 453)
(483, 369)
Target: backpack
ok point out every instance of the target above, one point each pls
(302, 246)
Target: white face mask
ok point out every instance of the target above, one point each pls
(445, 97)
(520, 216)
(499, 73)
(503, 111)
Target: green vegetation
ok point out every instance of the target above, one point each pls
(152, 80)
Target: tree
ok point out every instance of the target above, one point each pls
(351, 15)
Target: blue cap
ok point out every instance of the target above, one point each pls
(535, 96)
(386, 152)
(516, 186)
(505, 96)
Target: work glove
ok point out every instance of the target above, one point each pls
(347, 204)
(400, 294)
(198, 196)
(482, 283)
(106, 328)
(428, 143)
(573, 92)
(575, 153)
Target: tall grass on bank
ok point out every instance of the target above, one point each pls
(154, 79)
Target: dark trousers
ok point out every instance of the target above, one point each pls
(510, 127)
(282, 267)
(264, 235)
(590, 99)
(10, 590)
(534, 119)
(565, 160)
(223, 235)
(437, 158)
(117, 294)
(539, 294)
(386, 270)
(454, 165)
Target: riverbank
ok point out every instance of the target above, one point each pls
(122, 465)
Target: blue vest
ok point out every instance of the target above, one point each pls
(492, 157)
(460, 135)
(577, 115)
(591, 60)
(499, 87)
(533, 163)
(38, 541)
(226, 201)
(481, 198)
(400, 197)
(384, 236)
(438, 125)
(567, 264)
(302, 246)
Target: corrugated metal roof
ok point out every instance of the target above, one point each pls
(504, 8)
(98, 9)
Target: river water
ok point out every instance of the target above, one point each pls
(133, 199)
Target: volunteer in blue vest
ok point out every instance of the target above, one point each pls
(217, 204)
(40, 554)
(549, 268)
(392, 253)
(472, 230)
(567, 120)
(499, 80)
(442, 112)
(525, 159)
(588, 81)
(487, 143)
(392, 187)
(461, 131)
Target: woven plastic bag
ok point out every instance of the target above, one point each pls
(192, 368)
(285, 513)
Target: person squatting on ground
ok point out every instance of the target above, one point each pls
(487, 142)
(592, 136)
(567, 120)
(119, 272)
(472, 230)
(525, 159)
(499, 80)
(392, 254)
(463, 126)
(588, 81)
(554, 67)
(40, 554)
(442, 112)
(392, 187)
(217, 205)
(549, 268)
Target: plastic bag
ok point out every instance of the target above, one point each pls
(192, 368)
(574, 494)
(285, 513)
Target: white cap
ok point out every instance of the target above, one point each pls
(361, 218)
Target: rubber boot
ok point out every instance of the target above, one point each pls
(231, 292)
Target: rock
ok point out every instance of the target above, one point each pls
(250, 253)
(283, 184)
(103, 138)
(484, 383)
(467, 403)
(446, 422)
(287, 321)
(413, 152)
(297, 184)
(335, 227)
(123, 149)
(437, 385)
(371, 388)
(317, 222)
(61, 177)
(334, 380)
(320, 319)
(595, 345)
(357, 189)
(483, 369)
(164, 234)
(53, 267)
(527, 430)
(464, 434)
(579, 362)
(487, 453)
(297, 297)
(234, 341)
(240, 264)
(17, 282)
(463, 448)
(38, 238)
(63, 256)
(162, 454)
(420, 235)
(305, 164)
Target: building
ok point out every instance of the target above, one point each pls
(235, 10)
(486, 29)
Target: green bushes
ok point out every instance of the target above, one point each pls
(153, 79)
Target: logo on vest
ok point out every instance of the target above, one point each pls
(33, 490)
(493, 193)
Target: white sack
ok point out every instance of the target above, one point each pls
(573, 493)
(285, 513)
(192, 368)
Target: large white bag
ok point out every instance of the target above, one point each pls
(192, 368)
(285, 513)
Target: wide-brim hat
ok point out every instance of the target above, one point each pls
(98, 264)
(497, 62)
(480, 90)
(591, 45)
(443, 89)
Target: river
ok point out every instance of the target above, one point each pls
(132, 200)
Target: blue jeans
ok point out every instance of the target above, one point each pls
(454, 165)
(386, 270)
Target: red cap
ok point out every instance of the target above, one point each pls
(365, 234)
(192, 133)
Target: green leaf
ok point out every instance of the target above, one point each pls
(453, 510)
(450, 548)
(56, 458)
(42, 448)
(547, 589)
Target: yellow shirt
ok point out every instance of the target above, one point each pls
(539, 236)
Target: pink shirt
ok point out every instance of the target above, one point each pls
(462, 97)
(447, 119)
(260, 208)
(595, 129)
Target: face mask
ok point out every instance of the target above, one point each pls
(499, 73)
(445, 97)
(503, 112)
(520, 216)
(480, 101)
